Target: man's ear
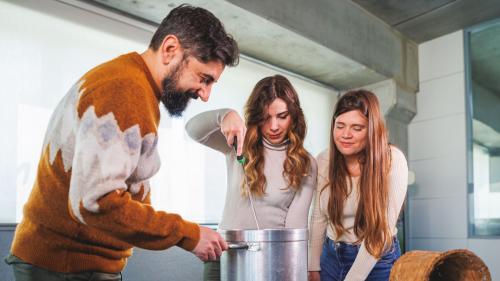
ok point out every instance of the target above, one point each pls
(170, 48)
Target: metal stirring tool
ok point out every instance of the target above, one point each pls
(241, 159)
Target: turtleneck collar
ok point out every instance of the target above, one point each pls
(278, 147)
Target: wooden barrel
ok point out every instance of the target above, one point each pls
(456, 265)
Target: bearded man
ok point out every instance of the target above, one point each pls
(90, 203)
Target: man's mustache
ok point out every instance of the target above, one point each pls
(193, 95)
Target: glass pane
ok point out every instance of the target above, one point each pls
(484, 84)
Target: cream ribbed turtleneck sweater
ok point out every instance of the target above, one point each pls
(280, 207)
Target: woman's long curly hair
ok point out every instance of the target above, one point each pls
(370, 224)
(297, 163)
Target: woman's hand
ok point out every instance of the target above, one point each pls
(233, 126)
(313, 276)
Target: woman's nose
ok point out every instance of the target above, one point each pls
(274, 124)
(346, 134)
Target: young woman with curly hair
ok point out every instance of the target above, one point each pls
(280, 173)
(361, 187)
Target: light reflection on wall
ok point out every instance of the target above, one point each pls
(180, 186)
(31, 125)
(485, 201)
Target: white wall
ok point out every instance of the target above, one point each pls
(46, 46)
(437, 154)
(43, 54)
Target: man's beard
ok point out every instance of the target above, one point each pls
(175, 100)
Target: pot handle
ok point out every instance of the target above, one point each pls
(254, 247)
(237, 246)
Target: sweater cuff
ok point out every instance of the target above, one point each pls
(313, 267)
(191, 235)
(221, 114)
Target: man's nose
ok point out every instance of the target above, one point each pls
(204, 92)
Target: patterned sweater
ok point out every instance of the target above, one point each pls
(90, 203)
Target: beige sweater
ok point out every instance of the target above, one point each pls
(280, 207)
(319, 223)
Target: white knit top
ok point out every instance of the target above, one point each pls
(320, 222)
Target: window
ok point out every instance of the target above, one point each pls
(482, 53)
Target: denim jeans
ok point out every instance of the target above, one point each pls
(27, 272)
(337, 259)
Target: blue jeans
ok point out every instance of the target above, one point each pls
(337, 259)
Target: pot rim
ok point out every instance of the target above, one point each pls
(265, 235)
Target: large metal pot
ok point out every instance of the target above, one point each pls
(265, 255)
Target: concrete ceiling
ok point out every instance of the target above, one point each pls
(486, 136)
(485, 58)
(343, 44)
(423, 20)
(304, 39)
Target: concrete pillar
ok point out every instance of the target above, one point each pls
(346, 28)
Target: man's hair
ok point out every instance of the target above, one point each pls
(200, 33)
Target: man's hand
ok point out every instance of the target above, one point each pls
(233, 126)
(210, 246)
(313, 276)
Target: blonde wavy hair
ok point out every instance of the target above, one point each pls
(297, 163)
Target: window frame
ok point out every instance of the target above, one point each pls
(469, 114)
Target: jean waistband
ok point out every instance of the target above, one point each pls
(342, 243)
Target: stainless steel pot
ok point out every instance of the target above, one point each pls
(265, 255)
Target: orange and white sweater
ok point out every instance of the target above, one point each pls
(90, 202)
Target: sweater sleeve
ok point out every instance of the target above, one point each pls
(116, 132)
(364, 262)
(205, 128)
(296, 216)
(318, 220)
